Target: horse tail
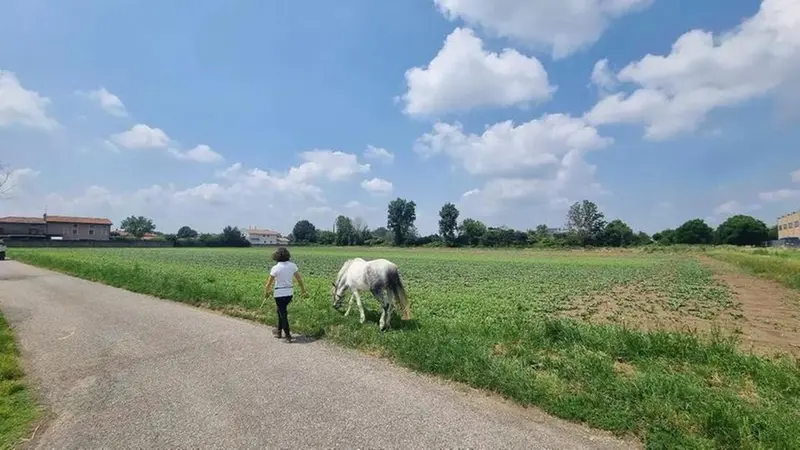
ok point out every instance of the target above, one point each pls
(398, 291)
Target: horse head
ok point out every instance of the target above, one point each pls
(338, 295)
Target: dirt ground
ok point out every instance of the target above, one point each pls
(764, 314)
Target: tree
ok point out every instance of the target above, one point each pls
(138, 226)
(345, 232)
(448, 222)
(742, 230)
(304, 231)
(5, 179)
(361, 232)
(186, 232)
(617, 234)
(665, 237)
(586, 221)
(773, 233)
(231, 236)
(695, 231)
(401, 217)
(472, 231)
(642, 238)
(326, 237)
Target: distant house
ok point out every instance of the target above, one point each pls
(789, 225)
(65, 227)
(264, 237)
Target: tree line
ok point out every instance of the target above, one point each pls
(586, 226)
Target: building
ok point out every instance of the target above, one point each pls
(65, 227)
(789, 225)
(22, 226)
(264, 237)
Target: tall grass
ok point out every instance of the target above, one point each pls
(17, 410)
(778, 265)
(492, 322)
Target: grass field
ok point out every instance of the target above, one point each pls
(645, 344)
(16, 408)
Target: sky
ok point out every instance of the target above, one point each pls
(259, 113)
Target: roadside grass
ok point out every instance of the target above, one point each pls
(493, 320)
(778, 265)
(17, 410)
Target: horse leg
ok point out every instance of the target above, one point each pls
(362, 317)
(349, 305)
(386, 312)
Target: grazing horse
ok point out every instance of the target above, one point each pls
(378, 276)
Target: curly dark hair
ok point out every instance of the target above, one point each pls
(281, 255)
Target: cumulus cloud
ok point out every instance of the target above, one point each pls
(202, 154)
(505, 148)
(562, 27)
(23, 107)
(674, 93)
(378, 187)
(538, 162)
(463, 76)
(332, 165)
(12, 182)
(796, 176)
(379, 154)
(107, 101)
(141, 137)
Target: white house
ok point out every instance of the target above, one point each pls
(264, 237)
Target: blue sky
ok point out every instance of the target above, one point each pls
(263, 112)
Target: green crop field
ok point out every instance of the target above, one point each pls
(644, 344)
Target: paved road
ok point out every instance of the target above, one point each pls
(122, 370)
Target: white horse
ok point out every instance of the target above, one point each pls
(378, 276)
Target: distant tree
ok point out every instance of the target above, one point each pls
(773, 233)
(472, 231)
(138, 226)
(448, 223)
(304, 231)
(695, 231)
(401, 215)
(345, 233)
(665, 237)
(232, 237)
(642, 238)
(742, 230)
(5, 179)
(585, 221)
(186, 232)
(617, 234)
(326, 237)
(361, 232)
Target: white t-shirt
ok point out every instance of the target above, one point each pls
(283, 273)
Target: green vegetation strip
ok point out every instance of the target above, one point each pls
(778, 265)
(17, 410)
(492, 319)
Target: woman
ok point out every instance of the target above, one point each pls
(281, 276)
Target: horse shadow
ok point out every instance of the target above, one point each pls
(395, 322)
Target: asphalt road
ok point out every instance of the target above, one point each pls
(122, 370)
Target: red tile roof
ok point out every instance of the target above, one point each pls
(83, 220)
(27, 220)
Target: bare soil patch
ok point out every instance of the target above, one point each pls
(764, 314)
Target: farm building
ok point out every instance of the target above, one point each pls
(65, 227)
(789, 225)
(265, 237)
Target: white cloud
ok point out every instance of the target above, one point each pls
(464, 76)
(202, 154)
(562, 27)
(379, 154)
(506, 149)
(377, 187)
(780, 195)
(733, 207)
(19, 106)
(703, 72)
(352, 204)
(12, 182)
(540, 162)
(602, 77)
(141, 136)
(332, 165)
(796, 176)
(108, 101)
